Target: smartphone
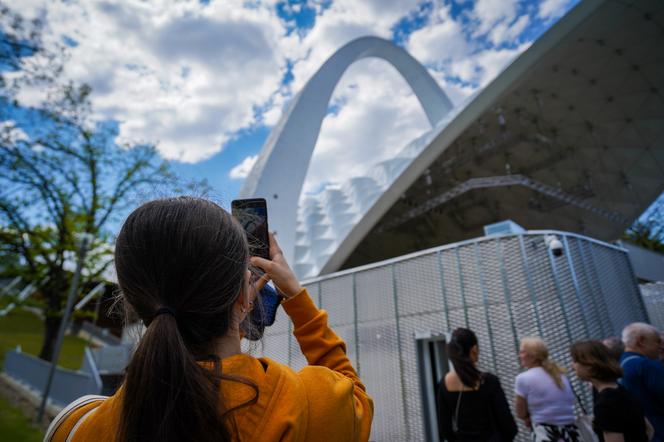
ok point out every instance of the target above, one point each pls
(252, 215)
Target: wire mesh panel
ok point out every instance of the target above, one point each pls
(627, 290)
(588, 300)
(504, 339)
(337, 299)
(418, 284)
(567, 287)
(503, 288)
(620, 300)
(478, 319)
(381, 375)
(518, 286)
(555, 328)
(374, 292)
(653, 298)
(275, 346)
(452, 285)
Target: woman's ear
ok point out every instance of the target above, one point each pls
(243, 302)
(475, 353)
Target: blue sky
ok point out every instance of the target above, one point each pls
(207, 80)
(299, 19)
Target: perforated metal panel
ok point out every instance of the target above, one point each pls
(653, 298)
(504, 288)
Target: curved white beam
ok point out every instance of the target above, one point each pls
(281, 168)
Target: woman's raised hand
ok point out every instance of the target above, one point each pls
(278, 271)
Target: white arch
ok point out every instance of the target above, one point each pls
(281, 168)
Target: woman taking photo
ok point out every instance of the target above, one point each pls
(544, 396)
(471, 404)
(183, 268)
(618, 416)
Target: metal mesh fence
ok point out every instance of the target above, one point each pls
(504, 288)
(653, 298)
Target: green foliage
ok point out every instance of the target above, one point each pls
(63, 173)
(24, 328)
(648, 232)
(15, 426)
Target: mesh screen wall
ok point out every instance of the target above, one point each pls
(653, 297)
(503, 288)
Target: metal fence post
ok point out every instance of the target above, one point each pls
(82, 250)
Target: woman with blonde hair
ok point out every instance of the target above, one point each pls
(544, 396)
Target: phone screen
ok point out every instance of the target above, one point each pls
(252, 215)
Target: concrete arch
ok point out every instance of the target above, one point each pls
(282, 165)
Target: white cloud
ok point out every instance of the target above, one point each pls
(550, 9)
(450, 49)
(507, 33)
(441, 43)
(10, 133)
(491, 62)
(489, 13)
(191, 76)
(341, 23)
(184, 74)
(241, 171)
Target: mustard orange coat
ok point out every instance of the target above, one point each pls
(325, 401)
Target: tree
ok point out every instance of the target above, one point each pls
(648, 230)
(61, 173)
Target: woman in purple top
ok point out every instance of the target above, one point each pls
(544, 396)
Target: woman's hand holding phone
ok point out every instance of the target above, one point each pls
(277, 269)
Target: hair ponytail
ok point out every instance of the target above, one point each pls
(185, 257)
(167, 395)
(555, 371)
(458, 350)
(538, 350)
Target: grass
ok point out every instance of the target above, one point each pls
(14, 426)
(21, 327)
(24, 328)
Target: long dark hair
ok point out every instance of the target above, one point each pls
(458, 351)
(598, 358)
(188, 256)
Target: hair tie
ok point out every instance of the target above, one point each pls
(164, 311)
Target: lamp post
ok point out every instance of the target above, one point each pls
(85, 240)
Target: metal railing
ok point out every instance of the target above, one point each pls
(68, 385)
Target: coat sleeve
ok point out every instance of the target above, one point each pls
(444, 416)
(339, 406)
(653, 380)
(504, 420)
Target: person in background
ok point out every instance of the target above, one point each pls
(661, 347)
(183, 266)
(544, 396)
(615, 347)
(618, 416)
(643, 374)
(471, 403)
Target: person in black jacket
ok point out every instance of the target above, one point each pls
(618, 415)
(471, 404)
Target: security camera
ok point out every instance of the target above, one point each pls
(554, 244)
